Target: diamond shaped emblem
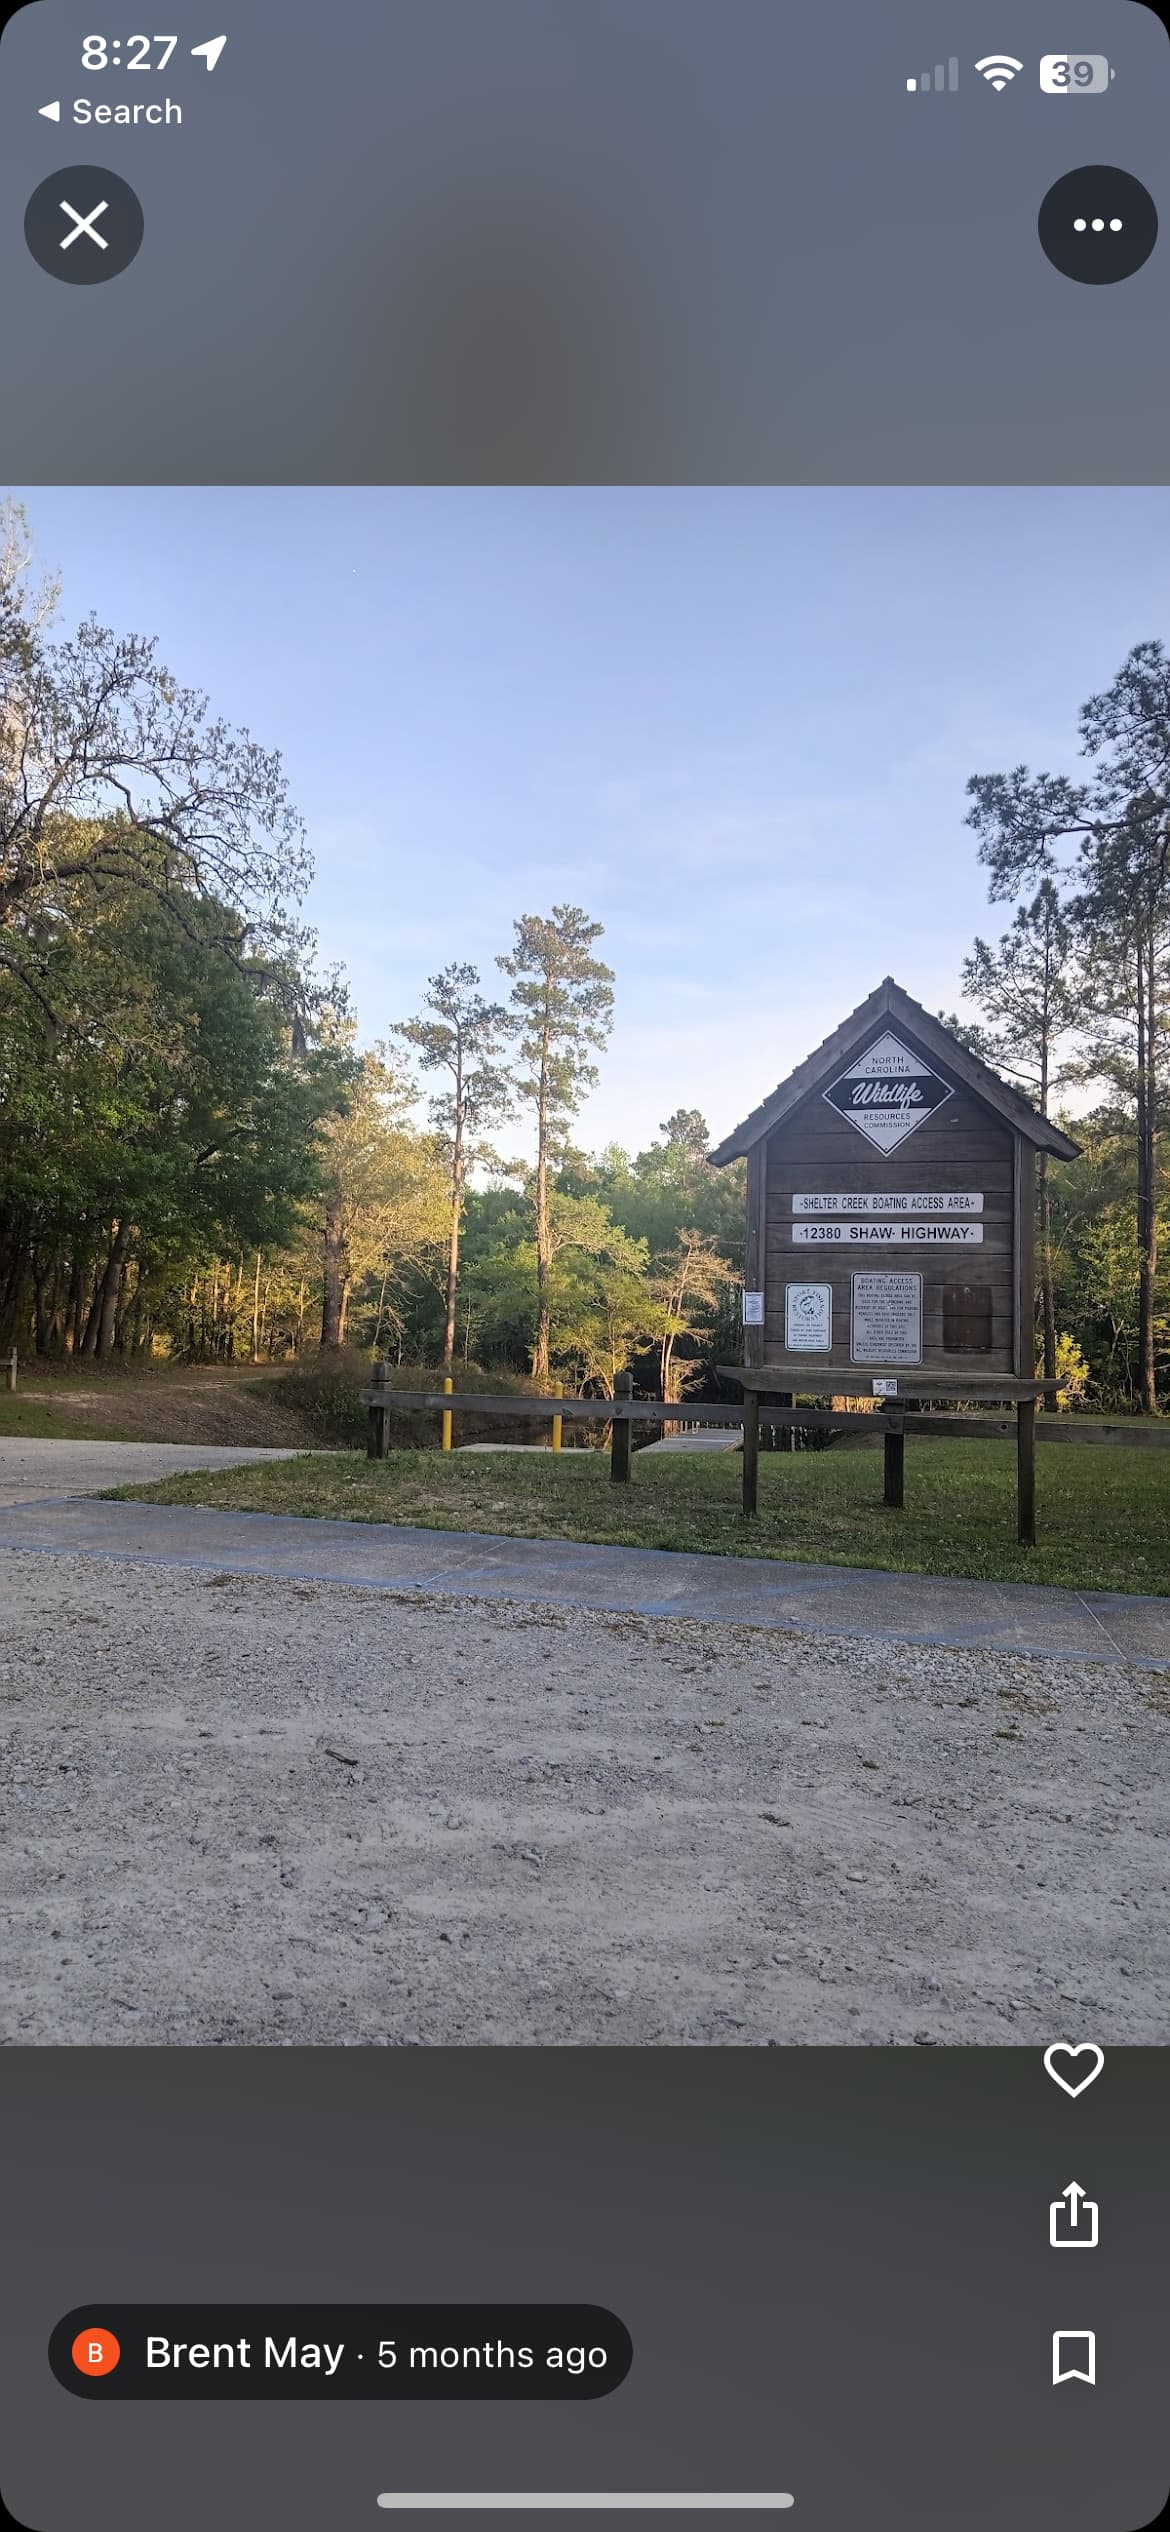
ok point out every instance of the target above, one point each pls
(886, 1092)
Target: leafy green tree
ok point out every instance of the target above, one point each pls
(496, 1292)
(562, 999)
(153, 1111)
(690, 1280)
(603, 1313)
(462, 1035)
(111, 772)
(602, 1304)
(690, 1217)
(1097, 1261)
(686, 1136)
(1106, 840)
(383, 1188)
(1028, 989)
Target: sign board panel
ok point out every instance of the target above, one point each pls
(808, 1318)
(887, 1091)
(887, 1234)
(886, 1319)
(753, 1309)
(960, 1202)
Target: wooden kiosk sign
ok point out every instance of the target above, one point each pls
(890, 1236)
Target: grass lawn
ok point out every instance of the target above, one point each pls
(1103, 1516)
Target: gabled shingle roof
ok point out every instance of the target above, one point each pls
(890, 1002)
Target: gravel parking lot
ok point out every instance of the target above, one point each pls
(244, 1809)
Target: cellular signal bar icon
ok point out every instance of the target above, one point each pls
(945, 76)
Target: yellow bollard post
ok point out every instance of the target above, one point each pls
(558, 1390)
(448, 1387)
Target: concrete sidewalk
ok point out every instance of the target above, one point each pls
(704, 1437)
(741, 1591)
(31, 1470)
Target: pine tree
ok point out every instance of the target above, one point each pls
(563, 1001)
(465, 1037)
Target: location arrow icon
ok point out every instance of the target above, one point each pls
(209, 52)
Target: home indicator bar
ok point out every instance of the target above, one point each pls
(702, 2500)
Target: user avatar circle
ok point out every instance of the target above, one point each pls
(1098, 224)
(95, 2351)
(84, 224)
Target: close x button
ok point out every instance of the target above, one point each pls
(84, 224)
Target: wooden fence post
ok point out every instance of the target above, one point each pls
(894, 1446)
(1026, 1471)
(623, 1431)
(448, 1390)
(378, 1430)
(751, 1450)
(558, 1390)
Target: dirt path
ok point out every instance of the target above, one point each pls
(210, 1405)
(254, 1810)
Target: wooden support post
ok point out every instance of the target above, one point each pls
(378, 1431)
(1026, 1471)
(558, 1390)
(623, 1431)
(895, 1462)
(788, 1431)
(12, 1361)
(751, 1451)
(448, 1388)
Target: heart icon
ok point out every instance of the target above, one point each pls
(1064, 2052)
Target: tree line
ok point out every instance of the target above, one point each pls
(1076, 993)
(197, 1158)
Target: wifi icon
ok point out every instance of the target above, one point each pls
(998, 68)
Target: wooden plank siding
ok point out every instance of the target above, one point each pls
(754, 1245)
(961, 1148)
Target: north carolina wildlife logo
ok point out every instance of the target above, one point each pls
(887, 1092)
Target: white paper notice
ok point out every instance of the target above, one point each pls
(808, 1318)
(753, 1309)
(886, 1319)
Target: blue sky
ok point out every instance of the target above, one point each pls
(735, 726)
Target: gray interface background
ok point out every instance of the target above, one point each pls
(633, 240)
(834, 2265)
(613, 241)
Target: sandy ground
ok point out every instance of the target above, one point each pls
(248, 1810)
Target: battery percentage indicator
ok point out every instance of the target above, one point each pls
(1075, 74)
